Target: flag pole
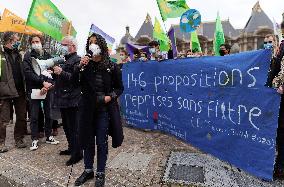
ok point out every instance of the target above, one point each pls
(23, 33)
(190, 47)
(165, 26)
(69, 28)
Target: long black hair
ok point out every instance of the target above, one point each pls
(101, 42)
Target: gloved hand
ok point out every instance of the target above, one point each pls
(58, 60)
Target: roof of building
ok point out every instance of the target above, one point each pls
(146, 29)
(127, 38)
(207, 30)
(258, 20)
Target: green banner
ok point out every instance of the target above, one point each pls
(195, 42)
(160, 35)
(172, 9)
(219, 37)
(46, 17)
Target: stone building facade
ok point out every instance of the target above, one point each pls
(249, 38)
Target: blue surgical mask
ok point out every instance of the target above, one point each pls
(64, 50)
(16, 45)
(143, 59)
(268, 46)
(152, 50)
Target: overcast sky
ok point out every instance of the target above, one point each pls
(112, 16)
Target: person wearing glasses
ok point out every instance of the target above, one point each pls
(67, 97)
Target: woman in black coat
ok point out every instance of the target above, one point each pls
(101, 84)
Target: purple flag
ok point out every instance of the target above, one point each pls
(172, 37)
(130, 48)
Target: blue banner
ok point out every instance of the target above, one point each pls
(218, 104)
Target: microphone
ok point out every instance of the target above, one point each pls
(88, 54)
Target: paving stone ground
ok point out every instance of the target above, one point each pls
(141, 161)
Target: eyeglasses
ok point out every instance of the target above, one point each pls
(270, 42)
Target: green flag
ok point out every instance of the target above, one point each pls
(160, 35)
(45, 17)
(195, 42)
(219, 37)
(172, 8)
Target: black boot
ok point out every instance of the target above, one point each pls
(84, 177)
(100, 179)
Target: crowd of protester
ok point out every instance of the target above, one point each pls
(83, 92)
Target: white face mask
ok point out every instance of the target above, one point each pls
(95, 49)
(122, 57)
(37, 46)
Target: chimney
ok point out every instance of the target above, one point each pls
(127, 30)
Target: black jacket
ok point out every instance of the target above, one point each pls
(273, 71)
(275, 65)
(91, 101)
(67, 94)
(34, 81)
(280, 53)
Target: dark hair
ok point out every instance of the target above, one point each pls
(125, 52)
(101, 42)
(153, 43)
(136, 53)
(7, 37)
(36, 35)
(227, 46)
(188, 51)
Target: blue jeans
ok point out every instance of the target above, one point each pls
(101, 123)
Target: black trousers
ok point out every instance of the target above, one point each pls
(279, 164)
(41, 121)
(35, 106)
(70, 123)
